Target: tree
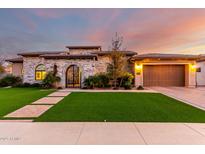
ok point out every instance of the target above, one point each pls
(1, 69)
(117, 67)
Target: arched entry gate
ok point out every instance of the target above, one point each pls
(73, 77)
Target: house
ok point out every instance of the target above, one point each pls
(73, 65)
(78, 62)
(200, 73)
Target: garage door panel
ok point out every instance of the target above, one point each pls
(164, 75)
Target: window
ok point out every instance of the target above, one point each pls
(40, 72)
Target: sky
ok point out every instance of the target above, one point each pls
(143, 30)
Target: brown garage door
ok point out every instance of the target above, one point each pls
(164, 75)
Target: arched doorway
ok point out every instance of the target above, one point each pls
(73, 77)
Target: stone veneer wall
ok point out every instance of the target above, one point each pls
(81, 51)
(87, 67)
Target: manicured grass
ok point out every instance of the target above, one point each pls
(122, 107)
(12, 99)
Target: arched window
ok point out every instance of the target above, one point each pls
(40, 72)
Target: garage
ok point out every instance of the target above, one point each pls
(164, 75)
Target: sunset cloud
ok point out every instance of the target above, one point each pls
(144, 30)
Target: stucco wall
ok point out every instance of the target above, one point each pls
(201, 75)
(189, 73)
(17, 69)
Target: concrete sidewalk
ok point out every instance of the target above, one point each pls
(101, 133)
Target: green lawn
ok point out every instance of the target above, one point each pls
(12, 99)
(116, 107)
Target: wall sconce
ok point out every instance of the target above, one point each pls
(138, 68)
(193, 67)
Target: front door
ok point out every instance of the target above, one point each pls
(73, 77)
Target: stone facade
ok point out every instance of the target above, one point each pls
(87, 67)
(81, 51)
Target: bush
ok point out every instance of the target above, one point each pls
(36, 85)
(50, 80)
(126, 80)
(22, 85)
(28, 85)
(140, 88)
(10, 80)
(90, 82)
(100, 81)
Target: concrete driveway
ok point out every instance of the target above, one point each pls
(193, 96)
(101, 133)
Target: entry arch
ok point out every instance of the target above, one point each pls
(73, 77)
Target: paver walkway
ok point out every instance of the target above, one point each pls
(192, 96)
(29, 111)
(38, 107)
(101, 133)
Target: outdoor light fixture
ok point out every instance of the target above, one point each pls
(193, 67)
(138, 68)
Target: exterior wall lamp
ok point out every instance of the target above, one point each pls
(193, 67)
(138, 69)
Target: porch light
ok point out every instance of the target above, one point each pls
(138, 69)
(193, 67)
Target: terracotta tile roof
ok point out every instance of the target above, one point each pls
(164, 56)
(16, 60)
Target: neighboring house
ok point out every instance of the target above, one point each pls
(73, 65)
(17, 66)
(200, 73)
(7, 69)
(79, 62)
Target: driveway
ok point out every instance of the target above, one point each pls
(101, 133)
(193, 96)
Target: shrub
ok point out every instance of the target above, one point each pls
(90, 82)
(22, 85)
(36, 85)
(50, 80)
(140, 88)
(127, 85)
(126, 80)
(28, 85)
(100, 81)
(10, 80)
